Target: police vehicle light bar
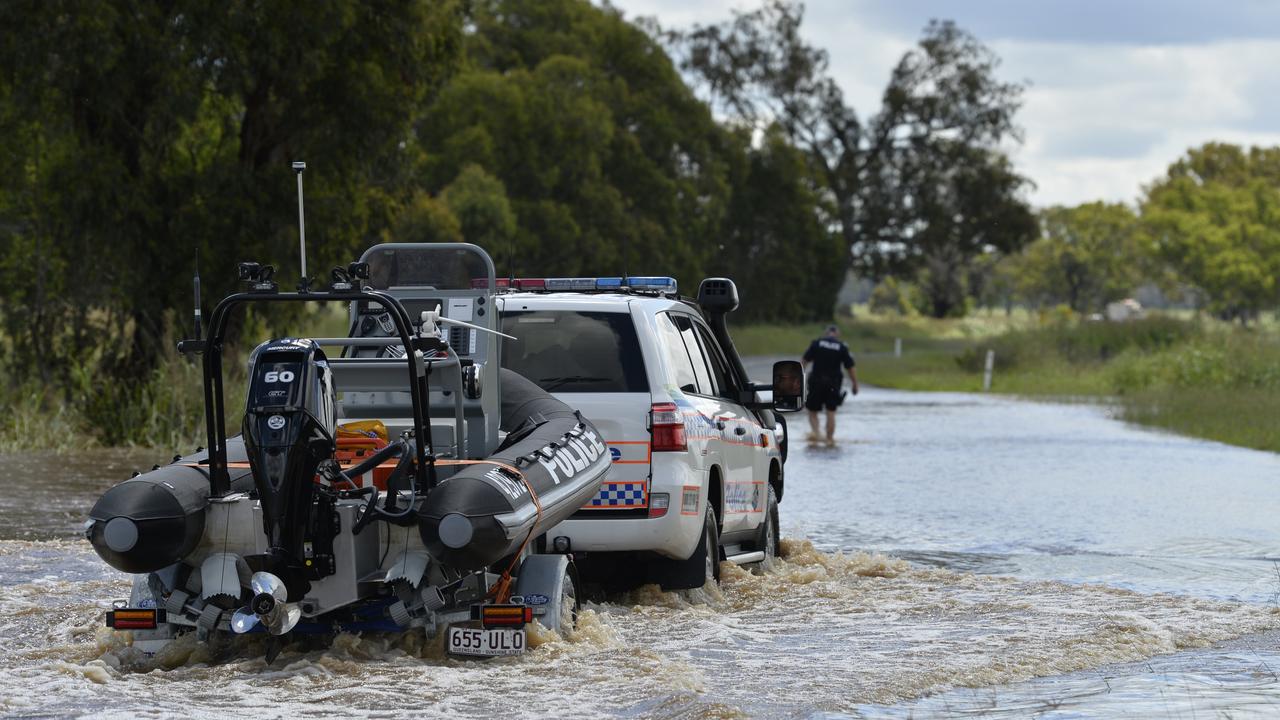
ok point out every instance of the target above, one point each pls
(584, 284)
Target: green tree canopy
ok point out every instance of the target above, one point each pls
(920, 188)
(778, 244)
(479, 201)
(608, 161)
(1215, 219)
(134, 133)
(1086, 257)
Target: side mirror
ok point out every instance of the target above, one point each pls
(788, 385)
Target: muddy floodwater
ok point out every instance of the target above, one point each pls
(952, 555)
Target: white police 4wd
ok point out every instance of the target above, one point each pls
(697, 469)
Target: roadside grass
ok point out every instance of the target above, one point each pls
(1237, 416)
(1189, 375)
(870, 333)
(164, 410)
(937, 370)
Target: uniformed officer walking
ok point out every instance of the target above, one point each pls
(829, 355)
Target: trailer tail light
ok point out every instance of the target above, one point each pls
(667, 425)
(658, 504)
(131, 619)
(505, 615)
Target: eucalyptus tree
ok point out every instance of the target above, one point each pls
(1215, 219)
(136, 132)
(920, 188)
(1087, 256)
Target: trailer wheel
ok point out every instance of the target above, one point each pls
(549, 584)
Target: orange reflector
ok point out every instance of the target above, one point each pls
(505, 615)
(132, 619)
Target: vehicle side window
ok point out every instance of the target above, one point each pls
(677, 356)
(700, 369)
(715, 361)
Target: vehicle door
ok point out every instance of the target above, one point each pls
(689, 390)
(716, 420)
(740, 433)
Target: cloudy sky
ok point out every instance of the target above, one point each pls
(1117, 89)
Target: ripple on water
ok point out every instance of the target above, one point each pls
(818, 632)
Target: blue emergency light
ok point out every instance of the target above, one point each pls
(664, 284)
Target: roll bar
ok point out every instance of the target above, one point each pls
(212, 345)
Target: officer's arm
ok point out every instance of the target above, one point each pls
(850, 369)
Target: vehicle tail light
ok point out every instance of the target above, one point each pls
(667, 426)
(658, 504)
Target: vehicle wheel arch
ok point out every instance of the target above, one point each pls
(776, 478)
(715, 493)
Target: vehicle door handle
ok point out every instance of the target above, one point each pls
(719, 424)
(739, 430)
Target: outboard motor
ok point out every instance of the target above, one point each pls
(288, 431)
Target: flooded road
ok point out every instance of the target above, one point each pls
(953, 555)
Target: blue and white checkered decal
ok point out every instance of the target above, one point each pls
(619, 495)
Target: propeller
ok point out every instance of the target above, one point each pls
(268, 607)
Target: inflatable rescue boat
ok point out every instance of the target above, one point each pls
(435, 522)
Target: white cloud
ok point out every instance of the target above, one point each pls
(1103, 120)
(1102, 117)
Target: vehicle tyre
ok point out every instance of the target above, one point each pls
(551, 581)
(703, 565)
(770, 536)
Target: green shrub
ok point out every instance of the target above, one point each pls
(892, 298)
(1079, 342)
(167, 410)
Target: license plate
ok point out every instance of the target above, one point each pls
(485, 643)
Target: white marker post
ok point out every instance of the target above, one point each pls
(986, 373)
(897, 347)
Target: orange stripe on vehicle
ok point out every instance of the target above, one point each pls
(648, 454)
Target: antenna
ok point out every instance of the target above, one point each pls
(299, 167)
(511, 260)
(196, 282)
(432, 318)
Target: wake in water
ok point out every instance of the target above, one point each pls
(815, 632)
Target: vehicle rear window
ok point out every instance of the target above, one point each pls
(567, 351)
